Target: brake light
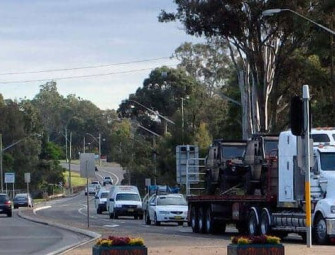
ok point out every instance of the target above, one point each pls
(8, 203)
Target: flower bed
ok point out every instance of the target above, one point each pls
(260, 245)
(114, 245)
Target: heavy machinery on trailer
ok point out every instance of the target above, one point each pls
(280, 209)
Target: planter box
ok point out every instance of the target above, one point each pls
(119, 250)
(255, 249)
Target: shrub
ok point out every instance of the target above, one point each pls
(120, 241)
(263, 239)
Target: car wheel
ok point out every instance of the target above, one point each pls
(9, 214)
(111, 215)
(157, 223)
(136, 217)
(15, 207)
(140, 217)
(85, 193)
(180, 223)
(115, 215)
(147, 219)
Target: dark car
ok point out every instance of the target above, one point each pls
(5, 205)
(23, 200)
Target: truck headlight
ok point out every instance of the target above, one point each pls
(332, 209)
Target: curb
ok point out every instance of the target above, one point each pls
(93, 235)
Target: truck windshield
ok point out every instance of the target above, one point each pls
(327, 161)
(234, 151)
(127, 197)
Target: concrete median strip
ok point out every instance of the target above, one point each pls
(91, 234)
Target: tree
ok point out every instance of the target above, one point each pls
(261, 47)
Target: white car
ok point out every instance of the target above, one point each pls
(92, 189)
(107, 180)
(166, 208)
(101, 200)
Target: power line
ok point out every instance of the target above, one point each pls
(84, 67)
(81, 76)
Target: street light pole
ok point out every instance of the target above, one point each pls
(99, 144)
(1, 155)
(270, 12)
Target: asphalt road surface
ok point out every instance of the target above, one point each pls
(20, 236)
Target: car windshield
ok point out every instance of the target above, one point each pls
(327, 161)
(104, 194)
(127, 197)
(320, 138)
(107, 178)
(171, 201)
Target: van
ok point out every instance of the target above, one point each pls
(124, 201)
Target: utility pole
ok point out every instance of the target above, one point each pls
(70, 184)
(99, 149)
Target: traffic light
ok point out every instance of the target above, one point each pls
(297, 116)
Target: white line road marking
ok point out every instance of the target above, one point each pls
(111, 226)
(41, 208)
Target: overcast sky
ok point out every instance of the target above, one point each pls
(40, 35)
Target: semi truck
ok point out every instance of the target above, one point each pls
(280, 209)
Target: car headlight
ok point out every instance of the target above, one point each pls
(139, 206)
(332, 209)
(163, 212)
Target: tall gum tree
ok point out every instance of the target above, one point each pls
(261, 47)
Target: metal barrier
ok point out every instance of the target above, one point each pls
(195, 171)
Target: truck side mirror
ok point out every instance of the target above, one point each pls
(111, 199)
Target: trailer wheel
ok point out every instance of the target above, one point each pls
(194, 220)
(209, 222)
(265, 223)
(253, 227)
(201, 220)
(320, 230)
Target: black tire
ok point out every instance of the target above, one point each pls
(180, 223)
(111, 215)
(265, 227)
(253, 227)
(99, 211)
(9, 214)
(209, 222)
(201, 220)
(147, 218)
(157, 223)
(140, 217)
(136, 217)
(320, 231)
(15, 207)
(194, 220)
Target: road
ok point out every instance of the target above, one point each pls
(20, 236)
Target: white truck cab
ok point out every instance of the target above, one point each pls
(323, 136)
(124, 201)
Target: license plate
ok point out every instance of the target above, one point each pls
(177, 217)
(130, 210)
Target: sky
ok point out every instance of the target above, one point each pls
(57, 40)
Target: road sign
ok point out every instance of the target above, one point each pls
(27, 177)
(87, 165)
(9, 177)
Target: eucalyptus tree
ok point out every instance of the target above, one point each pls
(262, 46)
